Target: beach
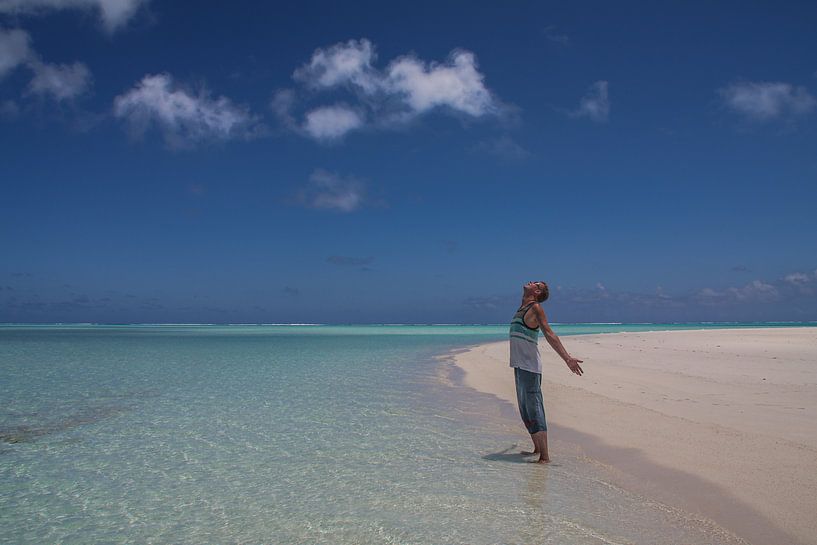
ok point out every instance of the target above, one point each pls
(719, 423)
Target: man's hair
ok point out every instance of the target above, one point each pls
(545, 293)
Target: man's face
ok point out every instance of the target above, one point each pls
(534, 288)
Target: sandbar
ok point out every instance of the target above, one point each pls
(721, 423)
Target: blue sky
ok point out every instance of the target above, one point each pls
(375, 162)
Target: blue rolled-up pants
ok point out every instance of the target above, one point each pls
(529, 397)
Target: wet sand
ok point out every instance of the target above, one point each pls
(721, 423)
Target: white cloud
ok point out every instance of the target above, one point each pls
(113, 13)
(802, 282)
(756, 290)
(186, 119)
(709, 293)
(61, 81)
(765, 101)
(329, 191)
(797, 279)
(457, 84)
(595, 104)
(331, 122)
(341, 64)
(406, 88)
(15, 49)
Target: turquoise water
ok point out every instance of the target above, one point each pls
(286, 434)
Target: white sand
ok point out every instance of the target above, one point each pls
(722, 423)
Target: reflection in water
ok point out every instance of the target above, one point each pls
(542, 526)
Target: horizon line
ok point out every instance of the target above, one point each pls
(348, 324)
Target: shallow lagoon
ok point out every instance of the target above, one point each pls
(286, 434)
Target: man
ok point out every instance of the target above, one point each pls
(525, 360)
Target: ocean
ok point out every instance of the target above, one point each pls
(289, 434)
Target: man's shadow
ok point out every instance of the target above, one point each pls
(510, 454)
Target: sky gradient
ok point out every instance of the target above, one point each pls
(376, 163)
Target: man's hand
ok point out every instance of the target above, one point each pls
(573, 363)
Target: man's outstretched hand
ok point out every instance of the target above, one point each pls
(573, 363)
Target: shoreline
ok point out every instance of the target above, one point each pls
(721, 423)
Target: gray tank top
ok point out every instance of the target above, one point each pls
(524, 343)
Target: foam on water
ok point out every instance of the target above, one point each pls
(283, 434)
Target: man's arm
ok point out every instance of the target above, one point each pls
(554, 341)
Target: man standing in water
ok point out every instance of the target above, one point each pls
(527, 365)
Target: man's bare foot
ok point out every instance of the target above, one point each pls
(541, 461)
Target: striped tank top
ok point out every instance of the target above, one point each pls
(524, 343)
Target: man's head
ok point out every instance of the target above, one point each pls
(538, 289)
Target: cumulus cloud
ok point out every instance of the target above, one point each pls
(766, 101)
(15, 49)
(803, 283)
(331, 122)
(756, 290)
(60, 81)
(797, 278)
(340, 64)
(185, 118)
(406, 88)
(595, 105)
(457, 84)
(112, 13)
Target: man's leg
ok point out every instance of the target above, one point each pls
(538, 424)
(532, 411)
(521, 398)
(540, 441)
